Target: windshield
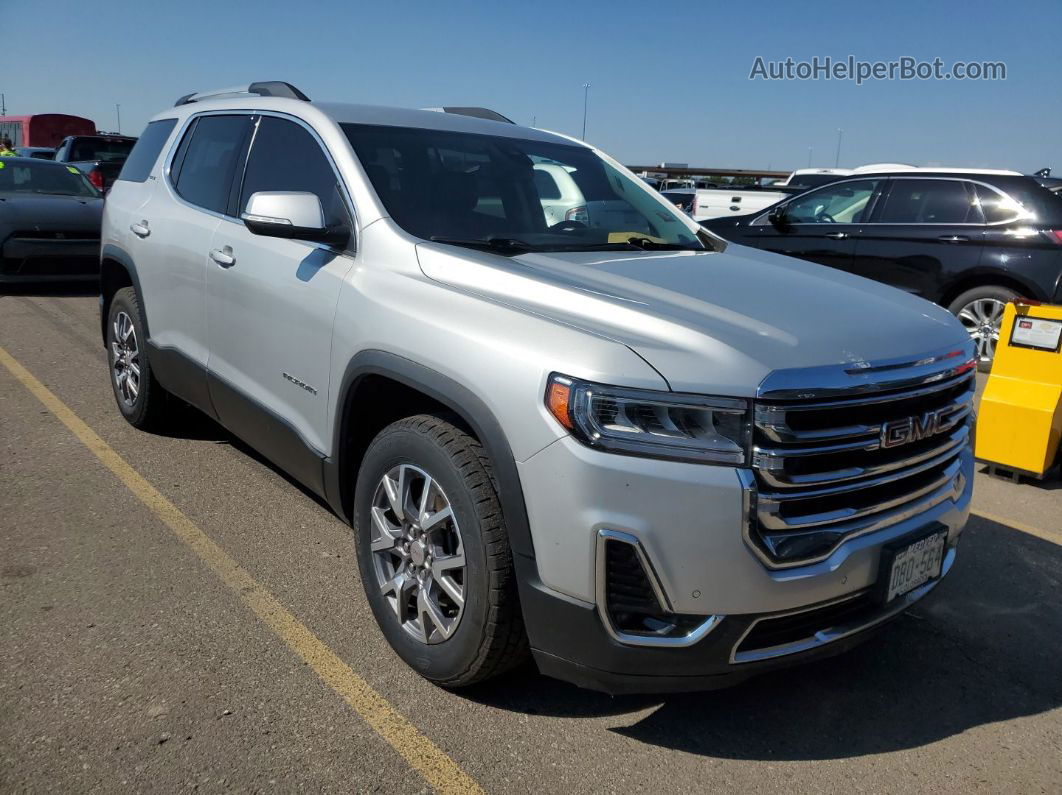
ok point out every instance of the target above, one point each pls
(29, 176)
(113, 150)
(466, 188)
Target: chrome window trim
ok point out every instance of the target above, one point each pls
(191, 118)
(829, 635)
(761, 220)
(601, 591)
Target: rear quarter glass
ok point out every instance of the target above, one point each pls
(146, 150)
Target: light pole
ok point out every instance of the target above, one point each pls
(837, 160)
(118, 110)
(586, 100)
(809, 156)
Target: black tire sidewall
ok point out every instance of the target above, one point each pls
(125, 301)
(454, 656)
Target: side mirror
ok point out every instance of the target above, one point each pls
(291, 214)
(778, 218)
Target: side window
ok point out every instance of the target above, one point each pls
(997, 207)
(285, 156)
(206, 160)
(843, 203)
(146, 150)
(546, 185)
(929, 201)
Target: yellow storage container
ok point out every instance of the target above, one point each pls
(1020, 421)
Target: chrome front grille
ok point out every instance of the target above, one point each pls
(835, 463)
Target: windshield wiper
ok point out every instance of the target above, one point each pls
(652, 245)
(507, 246)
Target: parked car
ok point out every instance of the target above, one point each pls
(562, 200)
(38, 152)
(50, 219)
(656, 460)
(969, 240)
(100, 157)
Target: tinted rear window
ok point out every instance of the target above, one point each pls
(207, 160)
(142, 159)
(1045, 206)
(929, 201)
(109, 150)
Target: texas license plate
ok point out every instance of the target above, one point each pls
(915, 564)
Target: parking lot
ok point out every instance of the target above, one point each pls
(179, 615)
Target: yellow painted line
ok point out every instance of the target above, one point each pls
(1054, 536)
(438, 769)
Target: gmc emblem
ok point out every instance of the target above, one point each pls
(912, 429)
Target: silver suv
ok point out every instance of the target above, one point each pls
(651, 459)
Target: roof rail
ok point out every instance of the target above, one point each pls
(479, 113)
(267, 88)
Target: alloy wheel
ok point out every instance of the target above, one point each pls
(417, 553)
(982, 319)
(125, 359)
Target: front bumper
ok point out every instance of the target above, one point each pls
(569, 642)
(689, 519)
(27, 259)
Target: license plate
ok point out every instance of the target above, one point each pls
(915, 564)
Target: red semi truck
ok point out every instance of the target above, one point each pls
(44, 129)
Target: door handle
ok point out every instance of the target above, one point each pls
(837, 235)
(140, 229)
(223, 256)
(953, 239)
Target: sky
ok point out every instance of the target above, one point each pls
(669, 80)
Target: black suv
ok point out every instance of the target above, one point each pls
(967, 240)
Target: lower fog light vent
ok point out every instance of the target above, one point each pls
(633, 603)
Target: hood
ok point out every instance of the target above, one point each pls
(712, 322)
(22, 211)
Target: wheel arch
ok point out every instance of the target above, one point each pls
(384, 385)
(117, 270)
(989, 278)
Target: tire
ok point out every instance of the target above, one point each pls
(981, 311)
(149, 406)
(456, 645)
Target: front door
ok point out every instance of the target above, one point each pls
(270, 307)
(820, 226)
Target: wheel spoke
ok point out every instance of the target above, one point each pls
(386, 536)
(432, 521)
(451, 589)
(427, 607)
(447, 563)
(967, 317)
(425, 499)
(399, 589)
(393, 491)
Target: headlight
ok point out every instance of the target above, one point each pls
(710, 430)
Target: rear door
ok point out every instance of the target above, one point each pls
(269, 312)
(170, 239)
(821, 226)
(925, 233)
